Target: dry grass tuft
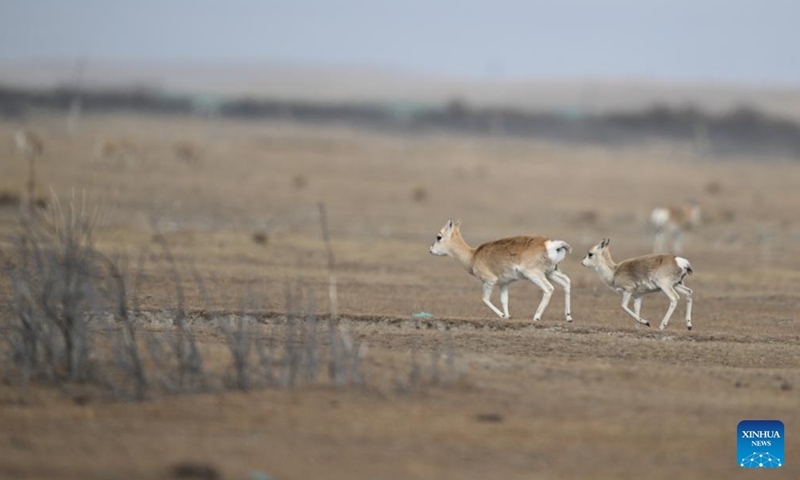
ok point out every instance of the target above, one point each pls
(9, 199)
(299, 181)
(713, 187)
(260, 238)
(586, 217)
(186, 151)
(195, 471)
(419, 194)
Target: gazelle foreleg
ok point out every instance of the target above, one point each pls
(487, 298)
(626, 299)
(504, 299)
(673, 302)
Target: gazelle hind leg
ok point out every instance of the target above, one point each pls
(659, 241)
(677, 242)
(626, 299)
(563, 280)
(670, 292)
(504, 299)
(541, 281)
(487, 298)
(687, 292)
(637, 305)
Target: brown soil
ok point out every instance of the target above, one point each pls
(598, 398)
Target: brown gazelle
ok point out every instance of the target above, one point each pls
(671, 223)
(641, 275)
(30, 146)
(121, 151)
(501, 262)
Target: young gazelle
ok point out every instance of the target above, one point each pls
(672, 222)
(641, 275)
(507, 260)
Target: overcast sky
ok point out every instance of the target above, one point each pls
(708, 40)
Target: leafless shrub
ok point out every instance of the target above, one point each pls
(346, 357)
(55, 275)
(63, 292)
(326, 238)
(190, 373)
(127, 357)
(239, 339)
(442, 370)
(312, 346)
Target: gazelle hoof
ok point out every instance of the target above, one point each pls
(689, 327)
(537, 320)
(661, 327)
(569, 318)
(646, 324)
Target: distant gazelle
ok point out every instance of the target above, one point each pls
(186, 151)
(501, 262)
(641, 275)
(121, 151)
(30, 146)
(671, 223)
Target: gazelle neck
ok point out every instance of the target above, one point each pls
(606, 268)
(460, 251)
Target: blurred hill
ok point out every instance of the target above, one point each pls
(338, 84)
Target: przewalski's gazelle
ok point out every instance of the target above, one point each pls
(501, 262)
(671, 223)
(120, 151)
(641, 275)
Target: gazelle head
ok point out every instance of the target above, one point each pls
(595, 255)
(444, 238)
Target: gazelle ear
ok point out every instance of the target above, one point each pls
(604, 243)
(458, 222)
(449, 227)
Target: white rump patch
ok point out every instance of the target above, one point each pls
(683, 263)
(557, 250)
(659, 217)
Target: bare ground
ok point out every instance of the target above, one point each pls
(598, 398)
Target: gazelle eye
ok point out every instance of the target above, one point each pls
(591, 255)
(438, 238)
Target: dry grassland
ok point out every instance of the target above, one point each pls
(599, 398)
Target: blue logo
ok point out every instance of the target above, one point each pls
(760, 444)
